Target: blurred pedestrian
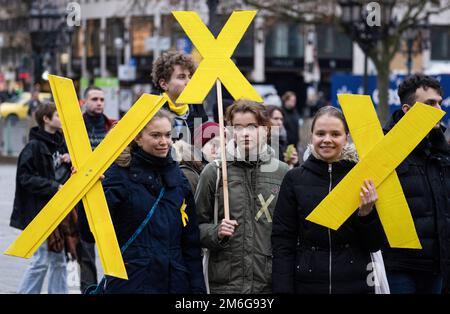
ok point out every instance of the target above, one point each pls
(291, 117)
(286, 153)
(33, 103)
(36, 183)
(193, 158)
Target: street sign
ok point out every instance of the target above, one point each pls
(353, 84)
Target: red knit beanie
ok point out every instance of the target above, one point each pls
(205, 132)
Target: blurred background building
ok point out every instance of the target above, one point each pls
(112, 43)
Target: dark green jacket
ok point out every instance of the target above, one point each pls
(243, 264)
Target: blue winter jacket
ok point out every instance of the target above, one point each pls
(166, 256)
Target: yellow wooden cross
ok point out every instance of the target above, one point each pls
(216, 53)
(379, 156)
(85, 183)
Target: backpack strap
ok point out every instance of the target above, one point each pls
(144, 223)
(102, 285)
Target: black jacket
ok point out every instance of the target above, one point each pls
(425, 179)
(35, 177)
(290, 123)
(309, 258)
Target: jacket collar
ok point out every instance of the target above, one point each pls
(51, 140)
(235, 156)
(168, 170)
(345, 163)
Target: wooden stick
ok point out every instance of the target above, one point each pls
(226, 205)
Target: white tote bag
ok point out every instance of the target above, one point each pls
(205, 260)
(381, 282)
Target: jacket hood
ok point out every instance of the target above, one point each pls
(51, 140)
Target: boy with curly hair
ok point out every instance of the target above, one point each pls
(171, 72)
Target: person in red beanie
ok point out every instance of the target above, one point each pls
(193, 158)
(207, 135)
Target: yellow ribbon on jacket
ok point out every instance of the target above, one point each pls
(184, 216)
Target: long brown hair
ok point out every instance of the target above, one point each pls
(124, 158)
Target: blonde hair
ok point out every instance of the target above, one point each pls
(124, 158)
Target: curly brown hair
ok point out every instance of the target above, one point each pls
(163, 67)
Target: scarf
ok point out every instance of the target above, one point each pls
(152, 161)
(178, 110)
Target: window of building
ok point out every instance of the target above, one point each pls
(284, 40)
(93, 38)
(77, 45)
(172, 29)
(440, 43)
(141, 29)
(114, 29)
(332, 43)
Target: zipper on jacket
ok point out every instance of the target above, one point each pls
(329, 232)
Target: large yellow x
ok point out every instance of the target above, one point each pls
(85, 183)
(379, 156)
(216, 53)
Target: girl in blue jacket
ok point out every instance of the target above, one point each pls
(165, 257)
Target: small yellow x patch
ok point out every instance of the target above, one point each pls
(264, 207)
(216, 53)
(379, 156)
(184, 216)
(84, 184)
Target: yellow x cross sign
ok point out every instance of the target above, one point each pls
(264, 207)
(379, 156)
(85, 183)
(216, 53)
